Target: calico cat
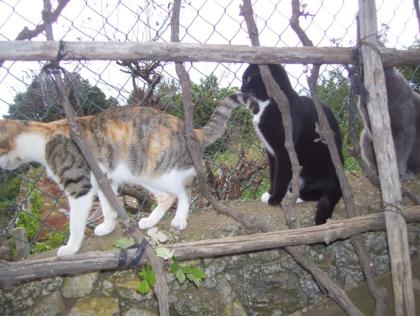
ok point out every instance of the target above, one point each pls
(404, 114)
(318, 179)
(137, 145)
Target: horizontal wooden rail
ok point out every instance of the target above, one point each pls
(182, 52)
(16, 272)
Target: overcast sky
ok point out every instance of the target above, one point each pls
(331, 23)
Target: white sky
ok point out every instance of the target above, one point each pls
(217, 21)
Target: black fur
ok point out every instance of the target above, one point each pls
(404, 113)
(318, 173)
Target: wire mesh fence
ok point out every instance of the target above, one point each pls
(236, 164)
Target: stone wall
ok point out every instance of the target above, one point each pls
(262, 283)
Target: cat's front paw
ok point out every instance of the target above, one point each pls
(299, 200)
(179, 223)
(146, 223)
(104, 229)
(67, 250)
(265, 197)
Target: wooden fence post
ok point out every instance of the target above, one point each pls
(377, 101)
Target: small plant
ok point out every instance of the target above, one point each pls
(124, 242)
(148, 279)
(187, 272)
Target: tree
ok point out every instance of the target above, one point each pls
(41, 104)
(206, 96)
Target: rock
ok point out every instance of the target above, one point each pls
(50, 305)
(78, 286)
(234, 309)
(139, 312)
(126, 283)
(93, 306)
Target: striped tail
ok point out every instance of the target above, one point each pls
(216, 126)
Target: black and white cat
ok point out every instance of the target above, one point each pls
(318, 179)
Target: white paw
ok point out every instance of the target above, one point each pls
(179, 223)
(265, 197)
(104, 229)
(67, 250)
(299, 200)
(146, 223)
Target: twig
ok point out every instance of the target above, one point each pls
(27, 34)
(417, 9)
(161, 288)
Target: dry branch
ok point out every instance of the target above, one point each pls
(182, 52)
(298, 253)
(161, 288)
(326, 133)
(16, 272)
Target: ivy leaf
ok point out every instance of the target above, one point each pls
(143, 287)
(164, 253)
(180, 275)
(124, 242)
(148, 275)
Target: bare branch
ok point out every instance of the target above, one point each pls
(161, 288)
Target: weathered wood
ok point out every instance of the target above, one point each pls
(16, 272)
(161, 287)
(298, 253)
(181, 52)
(396, 228)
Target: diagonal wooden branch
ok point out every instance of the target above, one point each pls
(326, 133)
(191, 141)
(161, 288)
(324, 281)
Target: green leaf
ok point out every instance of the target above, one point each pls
(174, 267)
(194, 274)
(180, 275)
(164, 253)
(124, 242)
(148, 275)
(143, 287)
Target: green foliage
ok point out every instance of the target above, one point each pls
(9, 190)
(30, 219)
(412, 72)
(206, 96)
(187, 272)
(33, 104)
(53, 240)
(333, 90)
(181, 272)
(148, 279)
(124, 242)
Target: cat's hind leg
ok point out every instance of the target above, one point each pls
(110, 216)
(182, 210)
(164, 202)
(79, 211)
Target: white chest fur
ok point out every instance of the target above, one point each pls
(256, 120)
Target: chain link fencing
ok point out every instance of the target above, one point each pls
(34, 211)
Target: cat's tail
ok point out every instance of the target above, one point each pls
(216, 126)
